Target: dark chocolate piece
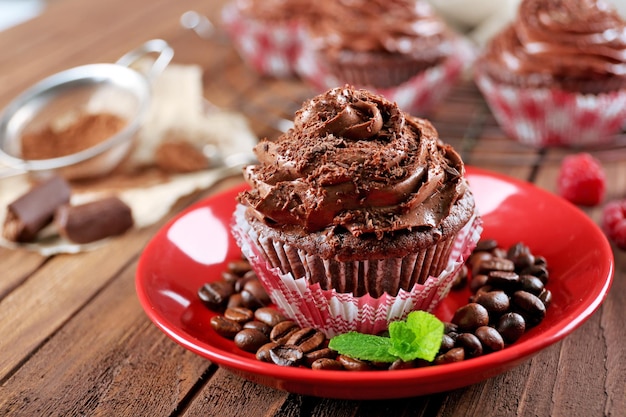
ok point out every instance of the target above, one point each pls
(93, 221)
(34, 210)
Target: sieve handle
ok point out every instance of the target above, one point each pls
(154, 46)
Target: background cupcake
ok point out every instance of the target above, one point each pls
(357, 215)
(267, 33)
(557, 75)
(397, 48)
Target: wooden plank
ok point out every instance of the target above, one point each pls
(226, 394)
(58, 47)
(42, 304)
(16, 267)
(108, 359)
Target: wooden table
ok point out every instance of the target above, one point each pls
(74, 339)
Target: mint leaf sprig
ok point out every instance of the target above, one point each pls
(418, 337)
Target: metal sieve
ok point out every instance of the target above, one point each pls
(116, 88)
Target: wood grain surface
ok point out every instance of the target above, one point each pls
(74, 340)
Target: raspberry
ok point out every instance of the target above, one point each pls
(581, 180)
(614, 222)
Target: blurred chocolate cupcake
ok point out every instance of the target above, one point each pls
(357, 215)
(556, 76)
(400, 49)
(267, 34)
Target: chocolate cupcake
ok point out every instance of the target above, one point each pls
(358, 206)
(556, 76)
(267, 34)
(400, 49)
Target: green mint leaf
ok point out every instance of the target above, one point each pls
(403, 343)
(419, 337)
(363, 346)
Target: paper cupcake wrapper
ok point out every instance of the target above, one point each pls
(335, 313)
(417, 96)
(542, 117)
(269, 48)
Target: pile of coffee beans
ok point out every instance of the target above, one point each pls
(508, 296)
(246, 317)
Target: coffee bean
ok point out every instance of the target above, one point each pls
(239, 267)
(241, 282)
(456, 354)
(496, 302)
(496, 264)
(230, 278)
(269, 316)
(286, 355)
(529, 306)
(258, 325)
(477, 281)
(470, 317)
(470, 343)
(250, 340)
(546, 297)
(489, 338)
(254, 294)
(353, 364)
(511, 326)
(477, 259)
(486, 245)
(539, 271)
(239, 314)
(283, 331)
(531, 284)
(307, 339)
(215, 294)
(327, 364)
(520, 255)
(482, 290)
(224, 327)
(263, 353)
(323, 353)
(400, 364)
(234, 301)
(447, 343)
(449, 327)
(249, 300)
(499, 253)
(460, 279)
(506, 280)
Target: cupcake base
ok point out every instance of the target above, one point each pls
(334, 312)
(542, 117)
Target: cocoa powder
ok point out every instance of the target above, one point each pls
(179, 156)
(84, 132)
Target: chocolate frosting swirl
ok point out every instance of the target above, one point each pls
(562, 42)
(354, 161)
(389, 26)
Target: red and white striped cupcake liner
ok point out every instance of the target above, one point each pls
(333, 312)
(542, 117)
(270, 48)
